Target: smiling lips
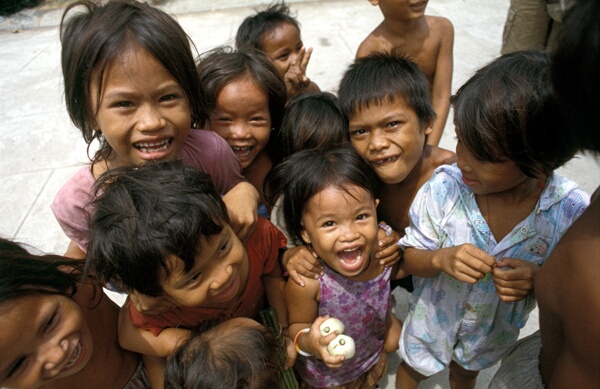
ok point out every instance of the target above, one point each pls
(153, 147)
(385, 161)
(351, 259)
(241, 152)
(75, 357)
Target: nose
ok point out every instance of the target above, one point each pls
(461, 157)
(239, 130)
(147, 304)
(150, 118)
(222, 277)
(53, 356)
(378, 141)
(348, 233)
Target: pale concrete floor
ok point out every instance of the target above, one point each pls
(40, 148)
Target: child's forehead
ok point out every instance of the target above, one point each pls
(381, 104)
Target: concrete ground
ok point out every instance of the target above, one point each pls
(40, 148)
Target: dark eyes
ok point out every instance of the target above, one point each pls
(168, 97)
(50, 323)
(16, 367)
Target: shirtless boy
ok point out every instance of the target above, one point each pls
(427, 40)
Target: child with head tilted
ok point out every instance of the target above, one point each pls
(58, 329)
(427, 40)
(329, 204)
(239, 353)
(480, 229)
(276, 33)
(137, 94)
(169, 220)
(245, 98)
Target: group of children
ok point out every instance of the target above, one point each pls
(196, 154)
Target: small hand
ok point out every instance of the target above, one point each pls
(466, 263)
(300, 261)
(387, 251)
(292, 354)
(295, 78)
(514, 278)
(317, 344)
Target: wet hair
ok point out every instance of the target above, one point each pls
(24, 273)
(305, 173)
(312, 120)
(145, 215)
(251, 32)
(575, 75)
(224, 65)
(508, 111)
(93, 36)
(243, 357)
(385, 77)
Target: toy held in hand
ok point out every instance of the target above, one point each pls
(342, 344)
(331, 325)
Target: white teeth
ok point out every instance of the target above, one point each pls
(350, 250)
(147, 147)
(241, 151)
(74, 357)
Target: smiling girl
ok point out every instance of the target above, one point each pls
(329, 204)
(57, 331)
(131, 85)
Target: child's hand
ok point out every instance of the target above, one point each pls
(514, 278)
(300, 260)
(242, 205)
(295, 77)
(316, 344)
(466, 262)
(387, 251)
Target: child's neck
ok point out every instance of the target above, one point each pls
(504, 210)
(401, 28)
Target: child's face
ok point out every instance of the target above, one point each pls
(143, 112)
(389, 137)
(488, 177)
(218, 277)
(241, 116)
(341, 226)
(405, 10)
(44, 338)
(282, 46)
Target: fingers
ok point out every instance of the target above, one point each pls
(514, 279)
(296, 278)
(388, 256)
(304, 58)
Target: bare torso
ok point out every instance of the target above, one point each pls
(568, 294)
(395, 200)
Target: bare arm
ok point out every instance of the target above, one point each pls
(442, 81)
(144, 342)
(242, 206)
(303, 308)
(465, 263)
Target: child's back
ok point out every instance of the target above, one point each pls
(427, 40)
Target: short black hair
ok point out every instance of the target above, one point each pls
(508, 110)
(145, 215)
(313, 120)
(384, 77)
(252, 30)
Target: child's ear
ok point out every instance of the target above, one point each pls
(305, 236)
(374, 2)
(428, 129)
(376, 203)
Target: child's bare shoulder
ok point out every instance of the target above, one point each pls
(434, 156)
(376, 41)
(439, 23)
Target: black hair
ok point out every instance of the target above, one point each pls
(251, 32)
(24, 273)
(575, 75)
(145, 215)
(385, 77)
(313, 120)
(508, 110)
(96, 34)
(243, 357)
(223, 65)
(307, 172)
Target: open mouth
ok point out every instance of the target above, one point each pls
(351, 259)
(153, 147)
(241, 152)
(385, 161)
(75, 357)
